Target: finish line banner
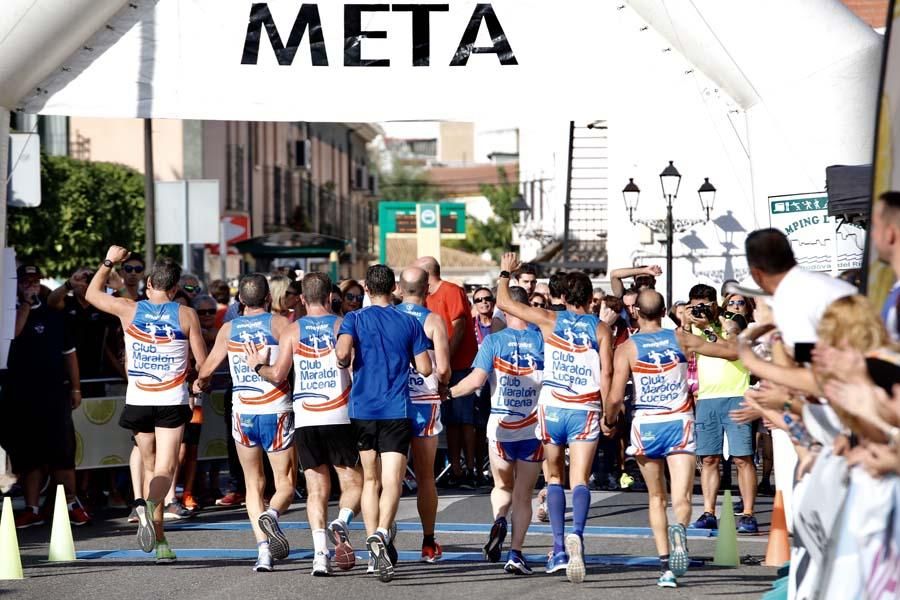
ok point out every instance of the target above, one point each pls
(285, 60)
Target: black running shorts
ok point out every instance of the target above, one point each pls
(391, 435)
(333, 445)
(145, 419)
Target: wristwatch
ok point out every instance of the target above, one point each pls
(504, 275)
(107, 263)
(258, 367)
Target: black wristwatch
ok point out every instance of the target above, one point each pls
(258, 368)
(108, 263)
(710, 335)
(504, 275)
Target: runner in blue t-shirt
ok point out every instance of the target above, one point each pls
(382, 342)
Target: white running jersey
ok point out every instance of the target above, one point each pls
(254, 395)
(321, 387)
(156, 352)
(422, 390)
(571, 377)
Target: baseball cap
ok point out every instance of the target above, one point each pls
(27, 269)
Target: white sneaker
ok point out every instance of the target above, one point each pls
(321, 565)
(370, 570)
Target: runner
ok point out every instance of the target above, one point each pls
(662, 430)
(426, 404)
(578, 361)
(324, 435)
(512, 361)
(262, 420)
(157, 402)
(381, 342)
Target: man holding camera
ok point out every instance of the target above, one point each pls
(723, 381)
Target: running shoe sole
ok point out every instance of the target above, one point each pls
(494, 548)
(679, 561)
(666, 584)
(278, 542)
(344, 557)
(146, 532)
(575, 568)
(378, 552)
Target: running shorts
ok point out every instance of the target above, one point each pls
(333, 445)
(144, 419)
(658, 436)
(426, 420)
(389, 435)
(273, 432)
(524, 450)
(561, 426)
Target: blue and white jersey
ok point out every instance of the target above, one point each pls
(572, 363)
(321, 387)
(422, 390)
(513, 360)
(156, 351)
(660, 374)
(252, 394)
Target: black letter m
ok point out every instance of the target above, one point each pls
(307, 17)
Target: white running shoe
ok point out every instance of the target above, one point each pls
(575, 568)
(321, 566)
(263, 563)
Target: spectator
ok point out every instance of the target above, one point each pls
(629, 301)
(485, 321)
(538, 300)
(132, 272)
(353, 295)
(526, 277)
(676, 313)
(596, 300)
(644, 278)
(485, 324)
(722, 382)
(39, 400)
(219, 290)
(294, 294)
(282, 302)
(337, 300)
(885, 232)
(190, 285)
(458, 415)
(544, 290)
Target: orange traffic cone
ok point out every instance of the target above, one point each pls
(778, 551)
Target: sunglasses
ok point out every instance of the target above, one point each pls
(133, 268)
(190, 289)
(206, 312)
(539, 305)
(737, 303)
(354, 297)
(484, 299)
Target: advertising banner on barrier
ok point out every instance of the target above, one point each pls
(285, 60)
(100, 442)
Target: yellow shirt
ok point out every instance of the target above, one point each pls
(720, 378)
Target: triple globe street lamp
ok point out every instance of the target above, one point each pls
(670, 179)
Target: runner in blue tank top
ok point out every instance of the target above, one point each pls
(425, 409)
(576, 380)
(662, 431)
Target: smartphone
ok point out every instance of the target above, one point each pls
(803, 352)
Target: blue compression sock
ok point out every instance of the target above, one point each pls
(581, 503)
(556, 507)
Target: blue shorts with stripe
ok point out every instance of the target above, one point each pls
(560, 426)
(525, 450)
(273, 432)
(658, 436)
(426, 420)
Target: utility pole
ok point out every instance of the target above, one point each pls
(149, 197)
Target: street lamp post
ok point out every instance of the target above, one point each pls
(670, 179)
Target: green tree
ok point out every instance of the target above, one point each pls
(406, 183)
(85, 207)
(494, 235)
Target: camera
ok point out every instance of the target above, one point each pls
(701, 311)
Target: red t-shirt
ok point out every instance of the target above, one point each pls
(451, 303)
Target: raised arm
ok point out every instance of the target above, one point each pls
(617, 275)
(97, 296)
(438, 335)
(545, 319)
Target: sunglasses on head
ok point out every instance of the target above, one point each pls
(190, 289)
(354, 297)
(206, 312)
(484, 299)
(133, 268)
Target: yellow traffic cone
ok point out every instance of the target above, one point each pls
(62, 547)
(726, 542)
(10, 561)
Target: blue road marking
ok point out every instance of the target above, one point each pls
(477, 528)
(408, 556)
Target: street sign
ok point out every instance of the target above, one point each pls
(400, 219)
(187, 212)
(237, 228)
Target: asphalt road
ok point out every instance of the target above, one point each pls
(210, 565)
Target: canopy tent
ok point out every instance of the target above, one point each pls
(292, 245)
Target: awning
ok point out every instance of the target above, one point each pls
(849, 190)
(292, 244)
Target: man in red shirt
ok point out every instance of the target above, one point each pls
(458, 415)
